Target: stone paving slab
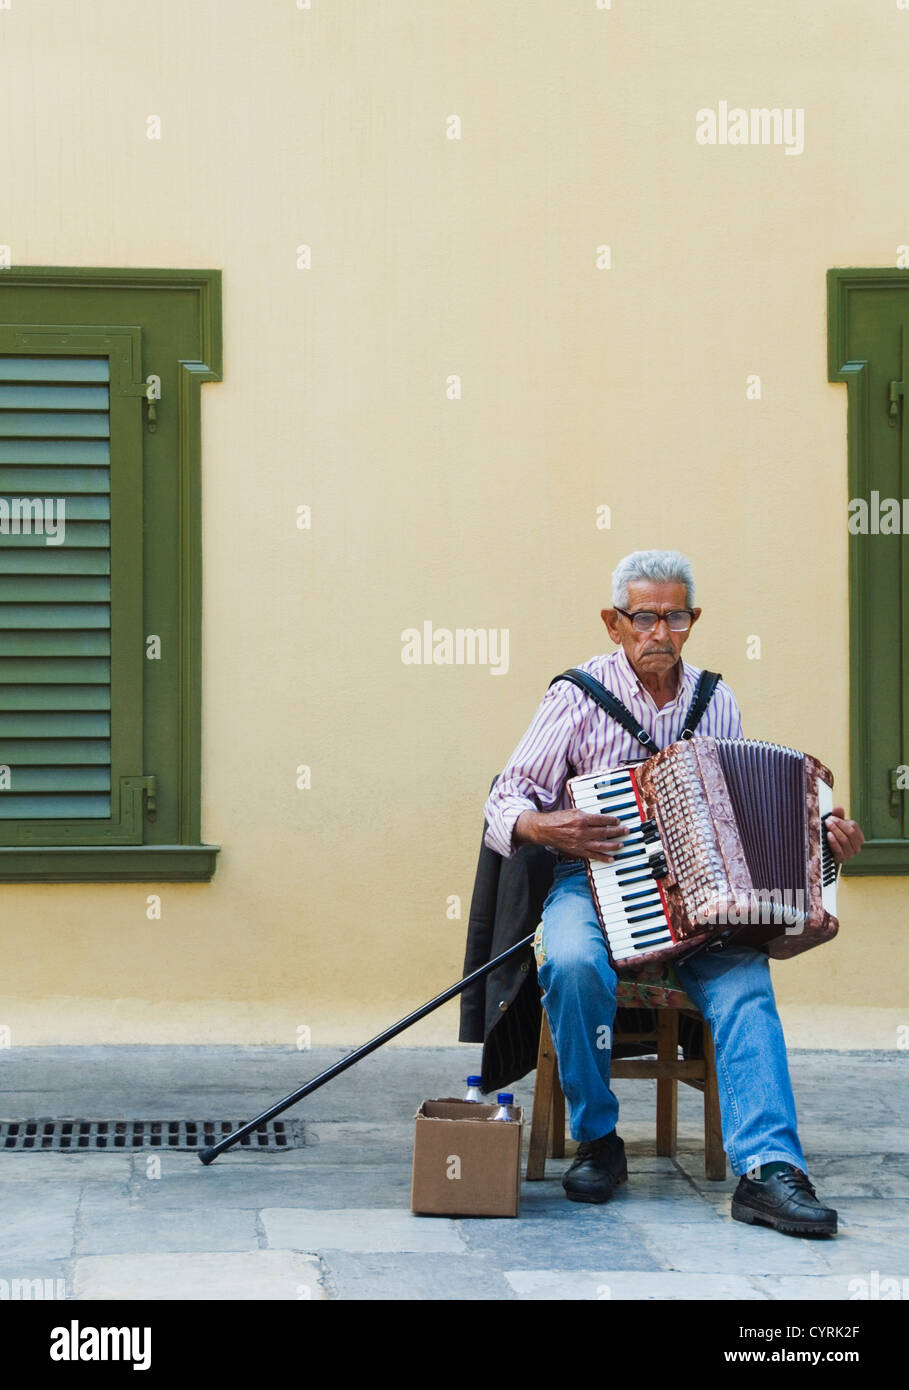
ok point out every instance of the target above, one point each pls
(858, 1249)
(876, 1174)
(732, 1247)
(782, 1288)
(567, 1234)
(608, 1284)
(659, 1198)
(364, 1231)
(417, 1277)
(252, 1187)
(360, 1142)
(865, 1136)
(37, 1221)
(859, 1212)
(191, 1275)
(116, 1228)
(61, 1168)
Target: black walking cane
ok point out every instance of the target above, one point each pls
(210, 1154)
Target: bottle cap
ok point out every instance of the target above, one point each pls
(474, 1080)
(505, 1098)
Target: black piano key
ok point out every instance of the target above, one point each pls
(642, 912)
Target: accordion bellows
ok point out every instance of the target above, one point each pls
(726, 843)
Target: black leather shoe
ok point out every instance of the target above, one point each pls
(787, 1202)
(597, 1171)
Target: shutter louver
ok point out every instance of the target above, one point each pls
(55, 673)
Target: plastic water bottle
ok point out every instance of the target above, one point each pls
(505, 1101)
(473, 1088)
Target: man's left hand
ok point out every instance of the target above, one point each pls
(843, 836)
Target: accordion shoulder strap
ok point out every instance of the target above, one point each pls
(703, 694)
(707, 683)
(611, 704)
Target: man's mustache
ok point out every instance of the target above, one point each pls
(658, 651)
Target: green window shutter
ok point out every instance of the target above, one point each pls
(70, 442)
(868, 322)
(55, 597)
(102, 745)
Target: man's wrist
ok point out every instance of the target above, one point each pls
(524, 831)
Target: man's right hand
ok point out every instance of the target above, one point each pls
(576, 834)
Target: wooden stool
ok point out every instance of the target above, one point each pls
(547, 1126)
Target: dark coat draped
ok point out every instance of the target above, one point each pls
(502, 1011)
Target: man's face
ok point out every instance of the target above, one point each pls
(652, 653)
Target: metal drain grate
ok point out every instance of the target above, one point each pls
(117, 1135)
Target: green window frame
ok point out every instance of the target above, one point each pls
(868, 340)
(100, 725)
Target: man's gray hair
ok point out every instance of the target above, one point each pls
(658, 566)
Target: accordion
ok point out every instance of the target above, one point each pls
(726, 842)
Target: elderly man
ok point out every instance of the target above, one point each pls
(651, 617)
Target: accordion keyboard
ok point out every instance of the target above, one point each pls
(829, 868)
(631, 904)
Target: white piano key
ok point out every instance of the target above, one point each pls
(605, 808)
(594, 786)
(626, 954)
(654, 915)
(626, 935)
(603, 801)
(606, 774)
(617, 898)
(627, 943)
(606, 877)
(604, 796)
(611, 906)
(629, 906)
(615, 913)
(619, 921)
(636, 859)
(640, 879)
(615, 792)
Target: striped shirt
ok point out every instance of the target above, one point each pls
(570, 727)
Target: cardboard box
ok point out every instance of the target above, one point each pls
(464, 1162)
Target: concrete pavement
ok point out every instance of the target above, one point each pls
(331, 1220)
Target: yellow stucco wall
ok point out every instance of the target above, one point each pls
(581, 388)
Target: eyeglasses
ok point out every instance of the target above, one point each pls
(679, 620)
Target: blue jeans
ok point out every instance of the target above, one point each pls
(732, 989)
